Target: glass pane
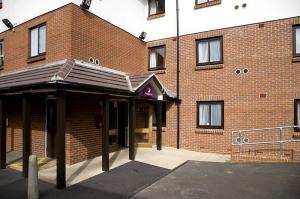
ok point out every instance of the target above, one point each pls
(1, 53)
(160, 6)
(203, 52)
(152, 9)
(153, 59)
(160, 57)
(34, 42)
(216, 114)
(42, 37)
(201, 1)
(215, 50)
(1, 48)
(298, 40)
(204, 114)
(298, 114)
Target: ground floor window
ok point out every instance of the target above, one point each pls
(297, 113)
(210, 114)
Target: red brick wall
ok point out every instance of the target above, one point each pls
(115, 48)
(266, 52)
(58, 47)
(14, 129)
(83, 138)
(73, 33)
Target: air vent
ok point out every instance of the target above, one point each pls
(92, 60)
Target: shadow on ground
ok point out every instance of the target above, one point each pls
(121, 182)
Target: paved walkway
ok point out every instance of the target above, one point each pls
(168, 158)
(205, 180)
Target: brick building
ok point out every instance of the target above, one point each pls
(73, 82)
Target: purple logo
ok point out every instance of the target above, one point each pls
(148, 91)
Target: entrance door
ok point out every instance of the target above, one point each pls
(113, 125)
(51, 127)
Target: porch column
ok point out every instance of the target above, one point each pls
(60, 141)
(26, 118)
(105, 134)
(2, 134)
(159, 124)
(132, 122)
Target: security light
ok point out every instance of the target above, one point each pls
(8, 24)
(86, 4)
(143, 35)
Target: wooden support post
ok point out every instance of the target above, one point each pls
(26, 117)
(60, 141)
(132, 123)
(159, 124)
(105, 134)
(2, 134)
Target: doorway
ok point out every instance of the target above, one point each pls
(123, 124)
(51, 127)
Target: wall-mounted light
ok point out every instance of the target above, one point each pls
(86, 4)
(143, 35)
(8, 24)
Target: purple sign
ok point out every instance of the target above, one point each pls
(148, 91)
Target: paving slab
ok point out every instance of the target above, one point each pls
(207, 180)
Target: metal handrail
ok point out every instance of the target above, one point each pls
(282, 127)
(242, 142)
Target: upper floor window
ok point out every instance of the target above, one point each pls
(1, 53)
(156, 7)
(206, 3)
(210, 51)
(157, 57)
(210, 114)
(38, 40)
(296, 41)
(297, 114)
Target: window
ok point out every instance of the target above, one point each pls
(156, 7)
(38, 40)
(296, 42)
(1, 53)
(297, 114)
(210, 115)
(157, 58)
(164, 115)
(210, 51)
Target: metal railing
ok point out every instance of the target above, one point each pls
(241, 138)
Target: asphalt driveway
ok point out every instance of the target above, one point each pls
(203, 180)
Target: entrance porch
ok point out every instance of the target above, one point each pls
(73, 111)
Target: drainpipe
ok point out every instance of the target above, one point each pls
(178, 91)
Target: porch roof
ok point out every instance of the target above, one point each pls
(79, 73)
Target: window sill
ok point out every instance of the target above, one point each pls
(156, 16)
(207, 4)
(158, 71)
(295, 59)
(36, 58)
(209, 67)
(209, 131)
